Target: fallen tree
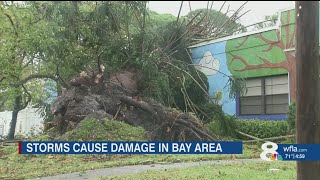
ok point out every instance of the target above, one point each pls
(89, 95)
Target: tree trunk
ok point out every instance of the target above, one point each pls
(17, 108)
(308, 84)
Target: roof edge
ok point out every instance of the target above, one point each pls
(233, 36)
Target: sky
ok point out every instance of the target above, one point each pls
(258, 9)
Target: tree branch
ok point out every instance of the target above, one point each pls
(248, 135)
(179, 12)
(35, 76)
(59, 77)
(27, 64)
(3, 78)
(157, 109)
(12, 23)
(29, 98)
(272, 138)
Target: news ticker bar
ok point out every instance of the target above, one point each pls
(269, 151)
(130, 147)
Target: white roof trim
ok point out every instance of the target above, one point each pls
(233, 36)
(288, 50)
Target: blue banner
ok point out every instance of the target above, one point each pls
(290, 152)
(55, 147)
(299, 152)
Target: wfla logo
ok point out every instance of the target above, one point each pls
(270, 154)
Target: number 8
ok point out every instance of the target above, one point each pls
(267, 150)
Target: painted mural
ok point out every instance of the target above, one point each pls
(212, 61)
(266, 53)
(208, 64)
(254, 55)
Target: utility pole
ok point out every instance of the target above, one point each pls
(308, 84)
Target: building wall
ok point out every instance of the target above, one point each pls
(28, 120)
(262, 53)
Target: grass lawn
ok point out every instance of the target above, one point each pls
(13, 165)
(238, 171)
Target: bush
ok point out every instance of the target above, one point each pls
(212, 111)
(104, 130)
(263, 128)
(223, 125)
(292, 116)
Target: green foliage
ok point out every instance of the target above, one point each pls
(216, 19)
(223, 125)
(292, 116)
(159, 20)
(271, 21)
(263, 128)
(42, 137)
(236, 85)
(212, 111)
(21, 37)
(104, 130)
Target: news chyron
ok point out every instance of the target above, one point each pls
(270, 151)
(130, 148)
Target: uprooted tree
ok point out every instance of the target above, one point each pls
(90, 96)
(132, 43)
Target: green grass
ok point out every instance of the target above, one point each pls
(104, 130)
(239, 171)
(13, 165)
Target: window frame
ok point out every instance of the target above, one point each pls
(264, 96)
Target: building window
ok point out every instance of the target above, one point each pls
(265, 96)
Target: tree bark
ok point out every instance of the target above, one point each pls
(17, 108)
(308, 84)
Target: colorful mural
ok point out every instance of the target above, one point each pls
(211, 60)
(208, 64)
(262, 53)
(266, 53)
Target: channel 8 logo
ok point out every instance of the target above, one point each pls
(272, 152)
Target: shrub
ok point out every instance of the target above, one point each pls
(214, 128)
(263, 128)
(42, 137)
(212, 111)
(104, 130)
(292, 116)
(223, 125)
